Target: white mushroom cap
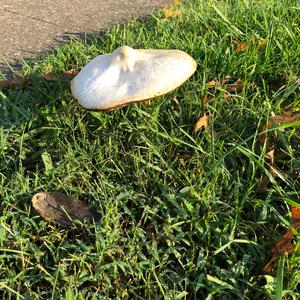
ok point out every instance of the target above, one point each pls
(128, 75)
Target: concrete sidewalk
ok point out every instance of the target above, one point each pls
(29, 27)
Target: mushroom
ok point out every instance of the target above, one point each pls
(127, 76)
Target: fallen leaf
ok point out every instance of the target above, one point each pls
(288, 112)
(240, 46)
(225, 79)
(212, 83)
(236, 87)
(243, 46)
(61, 209)
(295, 212)
(270, 156)
(18, 81)
(262, 43)
(202, 122)
(263, 133)
(176, 3)
(288, 117)
(285, 245)
(170, 12)
(5, 83)
(71, 72)
(265, 181)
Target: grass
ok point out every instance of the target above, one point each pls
(181, 215)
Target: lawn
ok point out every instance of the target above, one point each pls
(183, 214)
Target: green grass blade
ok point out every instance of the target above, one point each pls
(279, 279)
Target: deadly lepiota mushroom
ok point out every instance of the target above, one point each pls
(127, 75)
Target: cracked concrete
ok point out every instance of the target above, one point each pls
(29, 27)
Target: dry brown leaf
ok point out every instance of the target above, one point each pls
(225, 79)
(5, 84)
(235, 87)
(65, 76)
(202, 122)
(170, 12)
(265, 181)
(19, 80)
(270, 156)
(243, 46)
(212, 83)
(71, 72)
(231, 88)
(288, 112)
(61, 209)
(285, 246)
(240, 46)
(262, 43)
(286, 118)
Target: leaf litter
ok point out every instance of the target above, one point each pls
(231, 87)
(171, 11)
(18, 81)
(243, 46)
(285, 245)
(287, 117)
(201, 123)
